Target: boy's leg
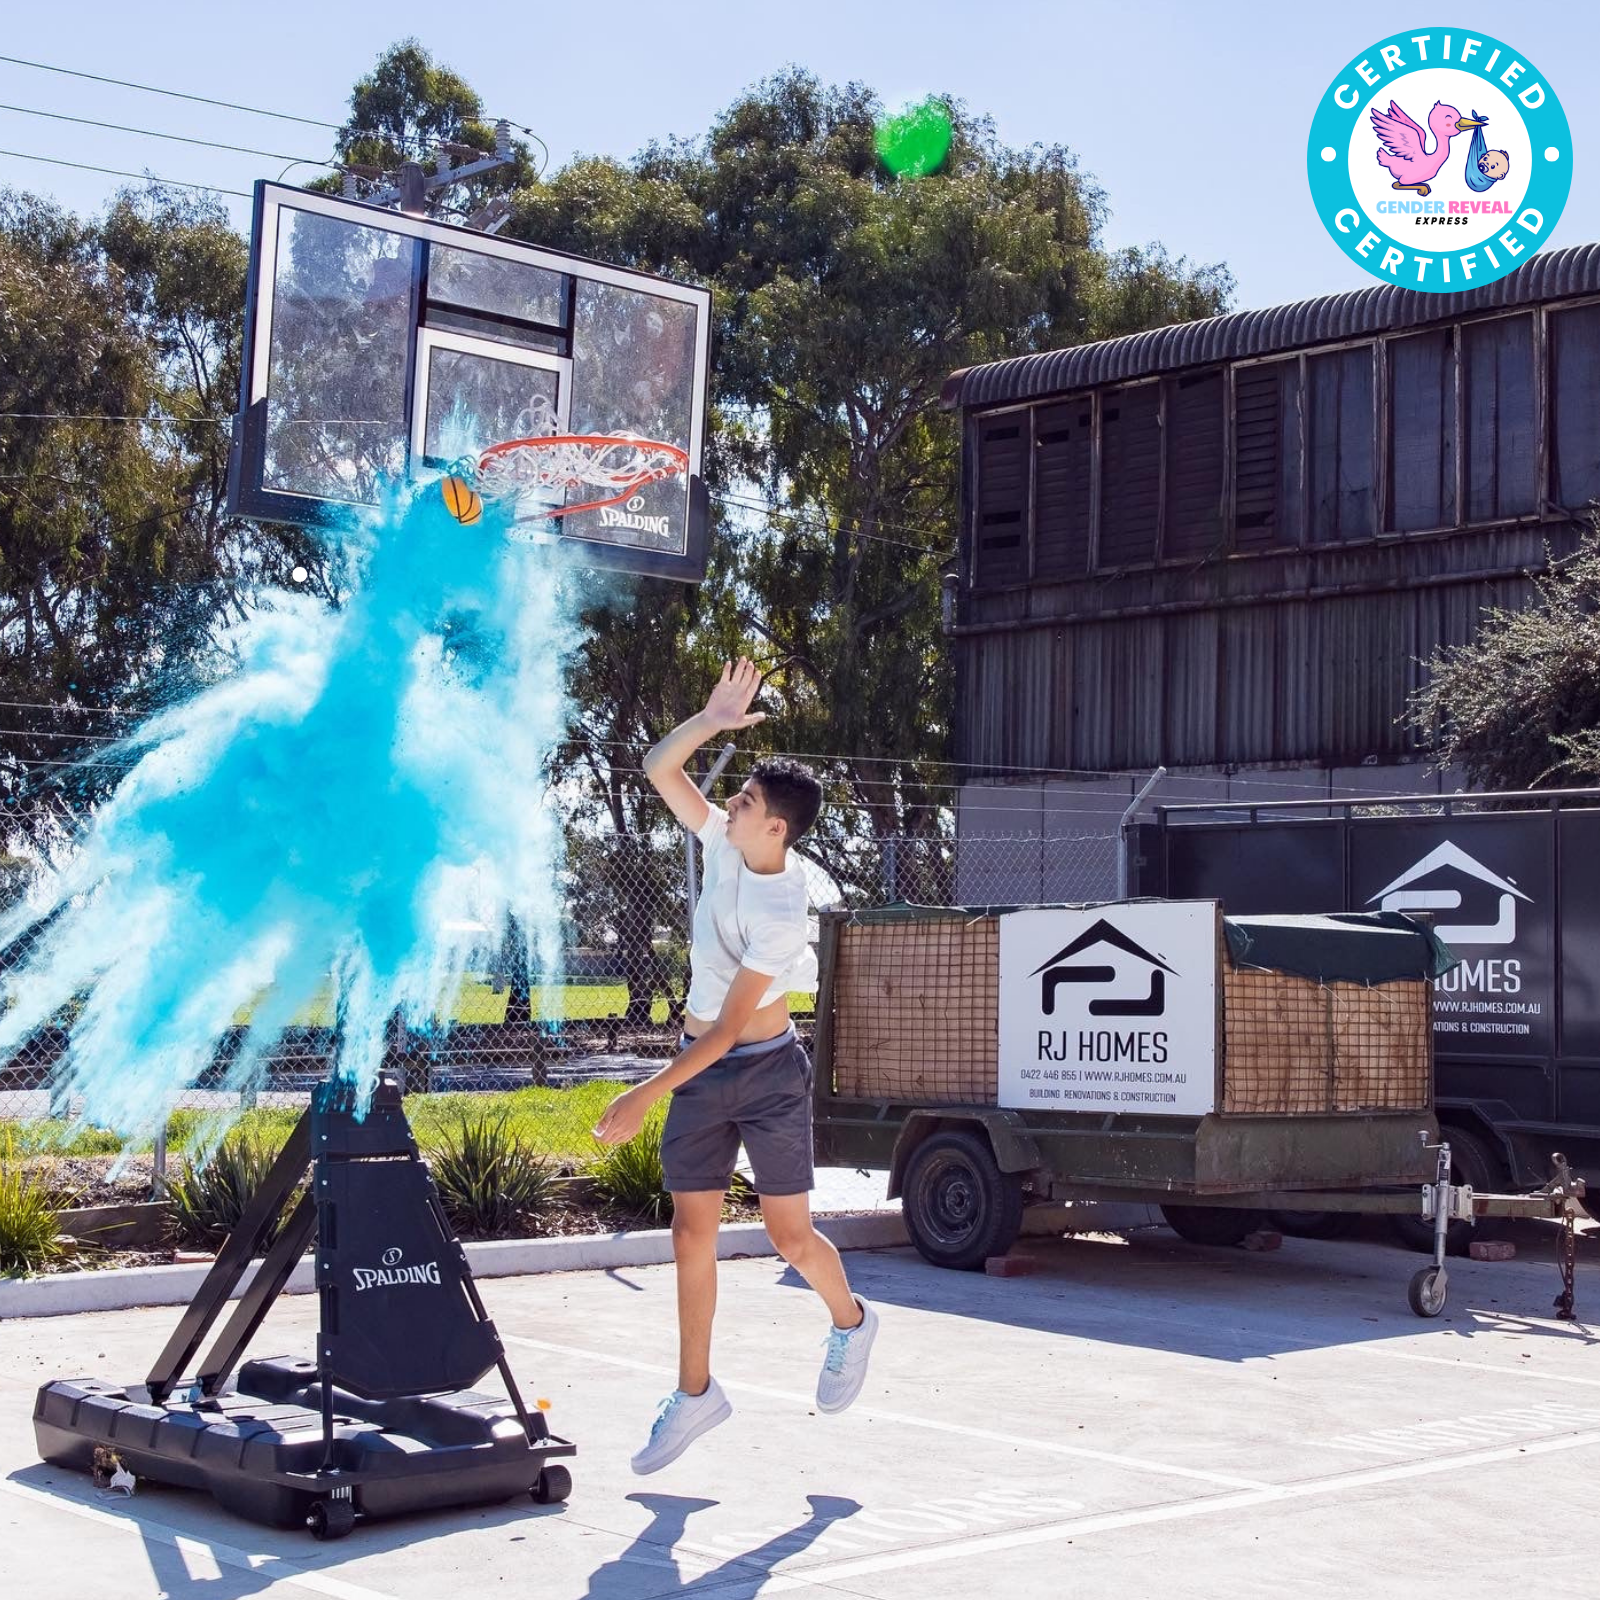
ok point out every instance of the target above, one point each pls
(811, 1254)
(696, 1215)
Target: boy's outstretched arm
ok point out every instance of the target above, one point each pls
(728, 707)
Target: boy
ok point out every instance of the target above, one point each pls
(741, 1074)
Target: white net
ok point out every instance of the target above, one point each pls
(544, 464)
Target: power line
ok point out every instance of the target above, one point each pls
(819, 520)
(1000, 774)
(66, 705)
(171, 94)
(771, 509)
(233, 105)
(40, 733)
(100, 416)
(117, 172)
(176, 138)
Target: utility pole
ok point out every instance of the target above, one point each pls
(413, 186)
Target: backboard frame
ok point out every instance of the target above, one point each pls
(248, 494)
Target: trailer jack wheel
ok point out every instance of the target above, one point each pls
(555, 1483)
(1427, 1291)
(330, 1519)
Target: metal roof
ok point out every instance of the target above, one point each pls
(1550, 275)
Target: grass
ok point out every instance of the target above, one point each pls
(480, 1002)
(550, 1122)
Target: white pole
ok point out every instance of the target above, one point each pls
(1122, 830)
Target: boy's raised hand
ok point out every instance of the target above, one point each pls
(729, 704)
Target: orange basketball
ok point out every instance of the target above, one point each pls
(465, 504)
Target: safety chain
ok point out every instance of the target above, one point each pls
(1570, 1192)
(1569, 1264)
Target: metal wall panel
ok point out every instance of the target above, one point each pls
(1574, 347)
(1191, 668)
(1249, 684)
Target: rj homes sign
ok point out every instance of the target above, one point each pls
(1110, 1009)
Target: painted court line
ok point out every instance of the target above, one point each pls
(1017, 1441)
(275, 1568)
(988, 1544)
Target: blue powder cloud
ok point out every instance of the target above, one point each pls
(361, 803)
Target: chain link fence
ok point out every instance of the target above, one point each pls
(615, 1007)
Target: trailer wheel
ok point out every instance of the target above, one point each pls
(1313, 1224)
(1212, 1224)
(330, 1519)
(555, 1483)
(1471, 1161)
(1426, 1292)
(959, 1207)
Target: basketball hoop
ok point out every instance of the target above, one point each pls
(615, 466)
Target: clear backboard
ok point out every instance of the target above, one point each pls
(379, 345)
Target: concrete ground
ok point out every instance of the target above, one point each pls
(1137, 1417)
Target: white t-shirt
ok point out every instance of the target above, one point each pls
(746, 919)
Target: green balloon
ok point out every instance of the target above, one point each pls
(915, 141)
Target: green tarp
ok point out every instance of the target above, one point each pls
(1346, 947)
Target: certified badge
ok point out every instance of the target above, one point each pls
(1439, 159)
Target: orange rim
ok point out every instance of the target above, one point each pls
(677, 462)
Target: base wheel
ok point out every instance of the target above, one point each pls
(1212, 1224)
(555, 1483)
(1427, 1291)
(330, 1519)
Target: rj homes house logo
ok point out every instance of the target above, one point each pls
(1439, 158)
(1061, 968)
(1472, 905)
(1121, 1016)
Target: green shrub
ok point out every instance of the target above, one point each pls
(208, 1195)
(630, 1175)
(30, 1214)
(491, 1180)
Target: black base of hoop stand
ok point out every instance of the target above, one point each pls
(384, 1421)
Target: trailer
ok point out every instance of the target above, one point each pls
(1152, 1051)
(1512, 881)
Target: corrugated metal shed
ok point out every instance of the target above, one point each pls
(1550, 275)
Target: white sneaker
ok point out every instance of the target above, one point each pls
(680, 1421)
(844, 1367)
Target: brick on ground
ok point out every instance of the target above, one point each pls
(1010, 1266)
(1492, 1250)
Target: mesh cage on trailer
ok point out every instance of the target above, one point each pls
(909, 1014)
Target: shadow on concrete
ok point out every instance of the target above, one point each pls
(1153, 1290)
(653, 1551)
(649, 1565)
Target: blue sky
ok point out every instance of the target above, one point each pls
(1192, 117)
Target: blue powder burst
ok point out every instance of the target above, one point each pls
(361, 804)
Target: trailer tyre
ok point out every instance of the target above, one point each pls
(1471, 1161)
(1313, 1224)
(1212, 1224)
(959, 1207)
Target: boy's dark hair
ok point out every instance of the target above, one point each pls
(791, 791)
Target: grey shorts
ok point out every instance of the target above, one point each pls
(758, 1095)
